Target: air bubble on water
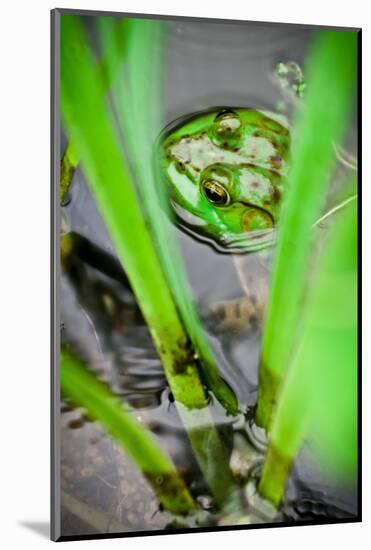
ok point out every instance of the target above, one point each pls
(290, 77)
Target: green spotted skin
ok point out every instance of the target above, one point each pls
(225, 170)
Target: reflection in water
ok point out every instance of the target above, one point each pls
(139, 376)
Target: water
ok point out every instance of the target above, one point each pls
(208, 64)
(224, 64)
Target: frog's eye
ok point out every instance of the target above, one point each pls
(228, 116)
(215, 193)
(226, 113)
(226, 129)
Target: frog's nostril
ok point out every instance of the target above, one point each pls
(256, 219)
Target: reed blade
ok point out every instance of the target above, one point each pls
(81, 386)
(318, 400)
(138, 93)
(93, 126)
(320, 123)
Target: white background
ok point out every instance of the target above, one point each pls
(25, 269)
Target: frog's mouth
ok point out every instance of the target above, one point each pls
(228, 242)
(249, 241)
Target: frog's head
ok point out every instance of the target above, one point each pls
(225, 171)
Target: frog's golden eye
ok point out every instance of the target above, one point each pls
(215, 193)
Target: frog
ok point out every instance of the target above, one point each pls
(225, 171)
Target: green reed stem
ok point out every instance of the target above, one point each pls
(137, 95)
(70, 158)
(87, 117)
(82, 387)
(69, 164)
(319, 394)
(320, 123)
(89, 121)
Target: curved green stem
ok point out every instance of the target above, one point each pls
(84, 390)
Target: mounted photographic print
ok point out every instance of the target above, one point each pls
(205, 275)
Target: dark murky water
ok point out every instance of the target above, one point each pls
(207, 64)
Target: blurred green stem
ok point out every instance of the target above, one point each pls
(70, 158)
(321, 387)
(321, 122)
